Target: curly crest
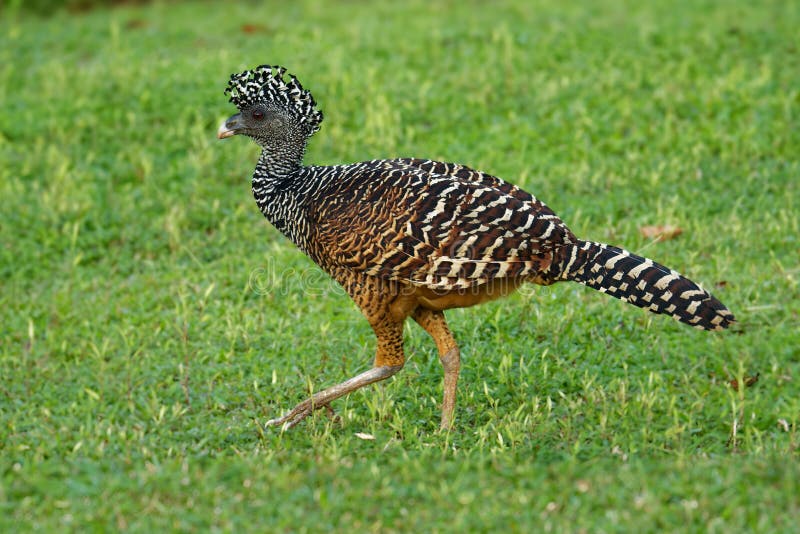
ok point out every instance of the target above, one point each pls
(265, 83)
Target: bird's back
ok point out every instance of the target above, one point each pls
(430, 224)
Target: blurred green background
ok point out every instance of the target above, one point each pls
(151, 320)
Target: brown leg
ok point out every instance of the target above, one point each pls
(434, 324)
(324, 397)
(389, 359)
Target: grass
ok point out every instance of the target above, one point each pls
(151, 319)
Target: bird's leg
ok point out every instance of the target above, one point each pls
(323, 398)
(451, 362)
(389, 359)
(434, 323)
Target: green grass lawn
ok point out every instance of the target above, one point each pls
(151, 320)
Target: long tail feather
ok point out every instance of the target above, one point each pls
(644, 283)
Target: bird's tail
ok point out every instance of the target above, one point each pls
(643, 283)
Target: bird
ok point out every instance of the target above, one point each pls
(411, 237)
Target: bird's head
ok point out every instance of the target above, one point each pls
(272, 111)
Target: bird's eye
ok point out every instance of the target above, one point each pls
(258, 115)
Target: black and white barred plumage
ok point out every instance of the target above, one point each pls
(644, 283)
(439, 226)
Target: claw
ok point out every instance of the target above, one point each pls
(323, 398)
(291, 419)
(331, 413)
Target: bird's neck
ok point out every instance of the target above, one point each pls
(278, 188)
(281, 161)
(275, 169)
(272, 176)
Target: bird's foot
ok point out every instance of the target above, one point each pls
(330, 412)
(300, 412)
(323, 398)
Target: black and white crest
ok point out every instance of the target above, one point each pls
(265, 83)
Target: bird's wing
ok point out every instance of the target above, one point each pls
(437, 225)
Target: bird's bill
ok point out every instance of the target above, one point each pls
(230, 127)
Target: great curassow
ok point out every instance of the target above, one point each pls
(413, 237)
